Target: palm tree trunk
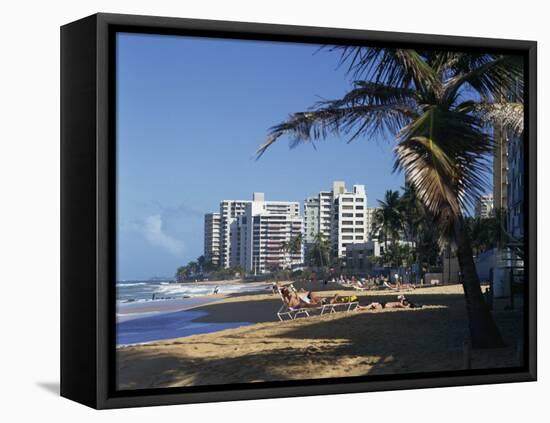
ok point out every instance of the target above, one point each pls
(484, 332)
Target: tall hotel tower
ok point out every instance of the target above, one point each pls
(212, 238)
(340, 216)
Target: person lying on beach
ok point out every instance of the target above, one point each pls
(309, 299)
(403, 302)
(398, 285)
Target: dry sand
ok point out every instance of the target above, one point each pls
(336, 345)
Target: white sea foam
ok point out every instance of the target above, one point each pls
(195, 289)
(129, 284)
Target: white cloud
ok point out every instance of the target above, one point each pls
(152, 230)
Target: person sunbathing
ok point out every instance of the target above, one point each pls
(403, 302)
(398, 285)
(306, 299)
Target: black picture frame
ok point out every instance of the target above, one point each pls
(88, 197)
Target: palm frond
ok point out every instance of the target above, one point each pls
(445, 157)
(507, 114)
(365, 92)
(369, 110)
(495, 79)
(395, 67)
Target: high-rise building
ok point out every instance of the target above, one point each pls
(212, 238)
(262, 231)
(342, 216)
(349, 218)
(484, 206)
(311, 219)
(230, 210)
(252, 233)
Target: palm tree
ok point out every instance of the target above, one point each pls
(293, 246)
(201, 261)
(319, 253)
(388, 218)
(412, 213)
(181, 273)
(193, 268)
(437, 106)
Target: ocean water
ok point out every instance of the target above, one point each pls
(167, 326)
(129, 291)
(150, 311)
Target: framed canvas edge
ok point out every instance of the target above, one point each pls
(105, 129)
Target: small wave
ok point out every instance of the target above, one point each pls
(128, 284)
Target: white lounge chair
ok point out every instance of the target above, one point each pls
(286, 312)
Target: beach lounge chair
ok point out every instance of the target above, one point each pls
(286, 312)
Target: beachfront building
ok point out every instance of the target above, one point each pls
(350, 221)
(311, 223)
(212, 238)
(230, 210)
(515, 215)
(342, 217)
(263, 230)
(484, 206)
(251, 234)
(357, 256)
(311, 219)
(508, 196)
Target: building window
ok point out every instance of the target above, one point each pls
(359, 207)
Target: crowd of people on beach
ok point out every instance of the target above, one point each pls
(372, 282)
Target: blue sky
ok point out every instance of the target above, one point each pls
(191, 113)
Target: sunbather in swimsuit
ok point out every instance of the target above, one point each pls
(402, 302)
(311, 299)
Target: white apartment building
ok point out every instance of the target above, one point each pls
(251, 233)
(230, 210)
(484, 206)
(349, 218)
(342, 216)
(212, 238)
(263, 228)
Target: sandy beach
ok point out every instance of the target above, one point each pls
(335, 345)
